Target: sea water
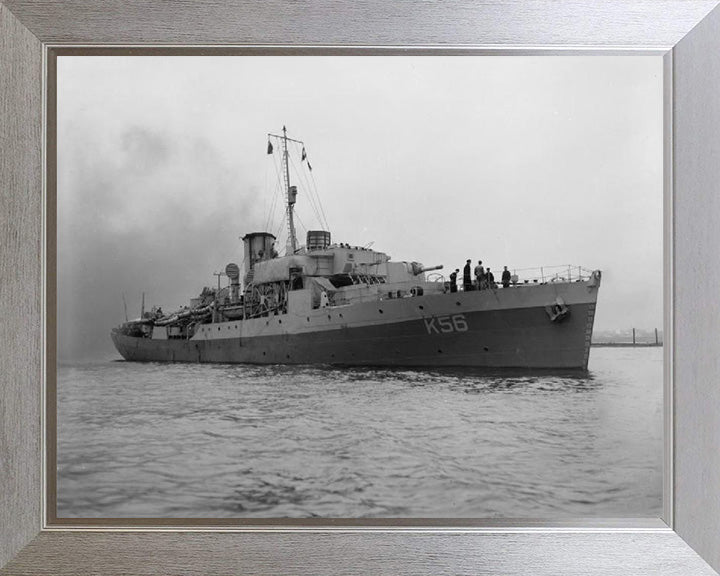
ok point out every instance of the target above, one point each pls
(172, 440)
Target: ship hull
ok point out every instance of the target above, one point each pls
(494, 329)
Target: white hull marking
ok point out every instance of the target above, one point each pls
(446, 324)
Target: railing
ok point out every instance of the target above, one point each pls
(539, 275)
(543, 274)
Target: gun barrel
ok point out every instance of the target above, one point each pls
(429, 268)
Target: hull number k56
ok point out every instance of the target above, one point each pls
(445, 324)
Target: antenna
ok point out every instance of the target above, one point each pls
(142, 307)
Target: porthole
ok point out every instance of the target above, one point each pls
(440, 351)
(486, 349)
(457, 303)
(279, 321)
(421, 307)
(380, 310)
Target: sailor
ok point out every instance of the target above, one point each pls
(479, 273)
(467, 279)
(506, 277)
(490, 279)
(453, 280)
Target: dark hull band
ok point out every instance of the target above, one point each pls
(509, 338)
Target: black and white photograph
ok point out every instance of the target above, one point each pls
(359, 286)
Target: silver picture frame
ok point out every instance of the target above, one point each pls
(686, 34)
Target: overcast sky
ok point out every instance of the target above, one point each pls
(518, 161)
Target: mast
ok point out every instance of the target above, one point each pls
(291, 194)
(290, 191)
(125, 306)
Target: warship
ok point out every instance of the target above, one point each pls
(333, 303)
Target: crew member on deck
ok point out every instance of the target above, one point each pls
(505, 277)
(479, 273)
(453, 280)
(490, 279)
(467, 278)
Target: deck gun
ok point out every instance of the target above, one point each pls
(418, 268)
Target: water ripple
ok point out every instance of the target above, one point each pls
(158, 440)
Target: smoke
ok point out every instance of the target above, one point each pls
(151, 214)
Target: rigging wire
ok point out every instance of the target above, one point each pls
(280, 228)
(271, 212)
(268, 199)
(313, 189)
(270, 207)
(306, 186)
(310, 197)
(313, 194)
(282, 192)
(301, 223)
(317, 195)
